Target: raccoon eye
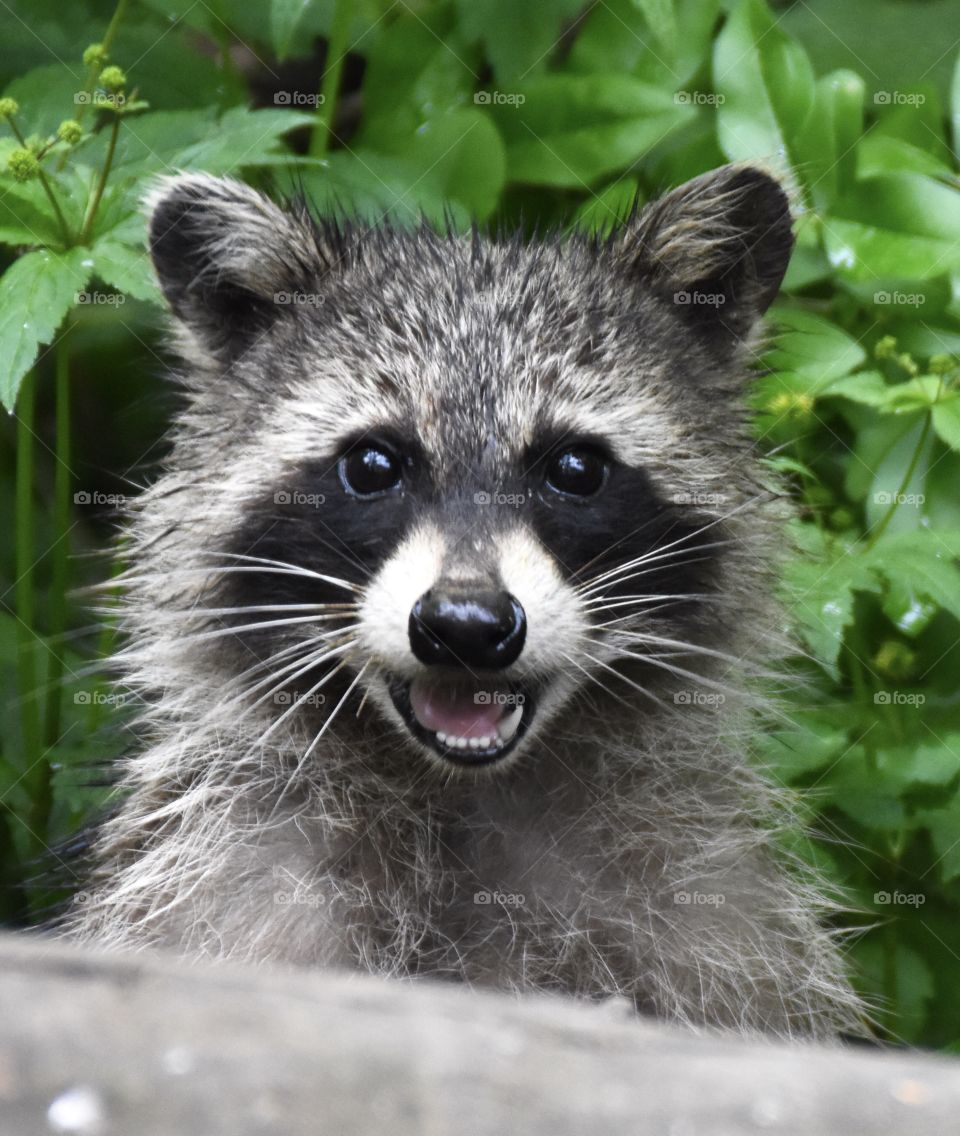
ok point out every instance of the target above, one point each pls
(370, 469)
(577, 472)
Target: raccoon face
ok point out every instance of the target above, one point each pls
(471, 481)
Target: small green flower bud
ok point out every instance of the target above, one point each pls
(895, 660)
(885, 347)
(791, 402)
(908, 363)
(113, 78)
(94, 55)
(70, 131)
(941, 364)
(23, 164)
(8, 107)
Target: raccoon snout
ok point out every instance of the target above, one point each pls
(484, 629)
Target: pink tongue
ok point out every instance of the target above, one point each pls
(454, 710)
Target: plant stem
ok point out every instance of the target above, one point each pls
(330, 83)
(24, 530)
(61, 549)
(95, 69)
(101, 182)
(47, 188)
(113, 26)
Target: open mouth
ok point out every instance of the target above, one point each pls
(467, 720)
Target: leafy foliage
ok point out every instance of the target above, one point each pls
(559, 113)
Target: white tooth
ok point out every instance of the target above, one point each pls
(462, 743)
(441, 737)
(474, 743)
(508, 726)
(483, 743)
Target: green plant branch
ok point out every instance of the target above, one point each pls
(101, 182)
(47, 188)
(61, 549)
(106, 43)
(24, 531)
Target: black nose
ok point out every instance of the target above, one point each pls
(467, 628)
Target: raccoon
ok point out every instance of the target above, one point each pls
(442, 618)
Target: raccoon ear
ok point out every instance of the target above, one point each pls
(226, 257)
(717, 247)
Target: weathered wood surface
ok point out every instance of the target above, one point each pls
(138, 1046)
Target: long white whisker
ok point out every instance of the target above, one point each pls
(597, 583)
(623, 678)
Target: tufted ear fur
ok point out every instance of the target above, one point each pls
(716, 247)
(228, 258)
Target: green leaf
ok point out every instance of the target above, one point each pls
(519, 38)
(815, 740)
(806, 344)
(607, 208)
(26, 217)
(661, 19)
(573, 130)
(935, 762)
(955, 106)
(866, 387)
(824, 148)
(285, 15)
(861, 252)
(455, 159)
(922, 559)
(767, 84)
(126, 268)
(946, 420)
(820, 589)
(943, 825)
(868, 794)
(906, 609)
(242, 138)
(904, 202)
(36, 292)
(888, 489)
(617, 37)
(46, 96)
(416, 74)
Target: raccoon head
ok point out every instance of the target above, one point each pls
(471, 480)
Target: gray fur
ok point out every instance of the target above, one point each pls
(632, 787)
